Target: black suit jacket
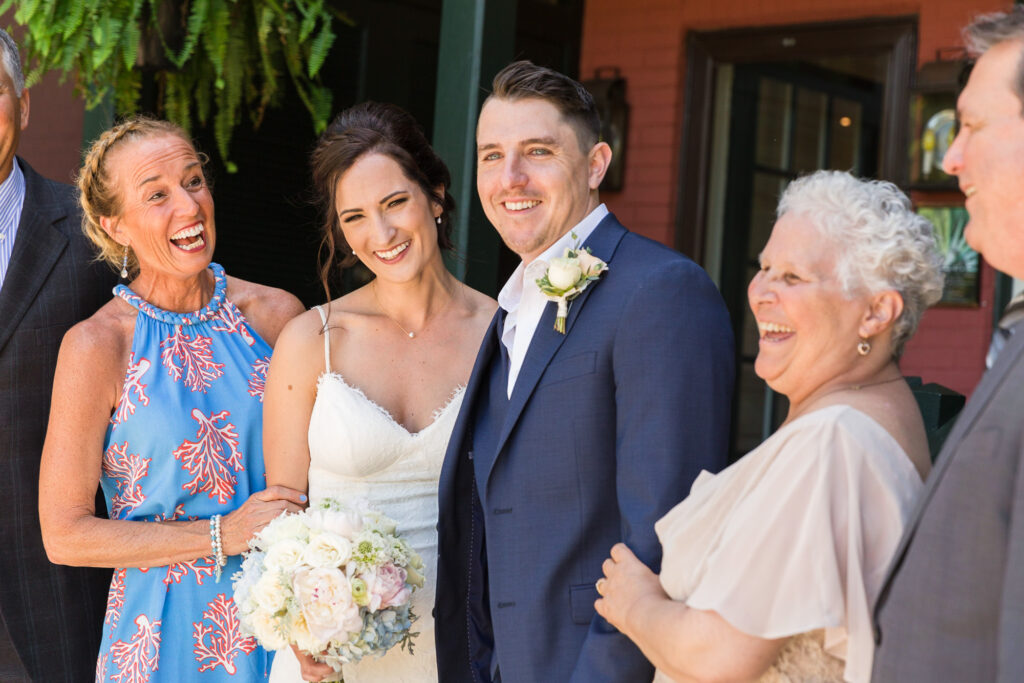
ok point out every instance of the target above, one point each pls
(53, 615)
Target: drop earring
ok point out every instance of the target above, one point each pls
(864, 347)
(438, 219)
(124, 264)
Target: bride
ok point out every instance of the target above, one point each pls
(363, 392)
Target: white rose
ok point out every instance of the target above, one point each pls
(325, 598)
(270, 593)
(265, 628)
(564, 272)
(282, 527)
(381, 523)
(326, 550)
(302, 638)
(344, 523)
(285, 555)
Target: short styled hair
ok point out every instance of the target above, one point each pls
(988, 30)
(524, 79)
(12, 62)
(879, 242)
(100, 196)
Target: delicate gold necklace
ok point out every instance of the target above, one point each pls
(426, 323)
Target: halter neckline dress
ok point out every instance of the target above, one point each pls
(184, 443)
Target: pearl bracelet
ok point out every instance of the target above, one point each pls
(219, 560)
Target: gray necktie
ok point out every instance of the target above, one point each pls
(1013, 314)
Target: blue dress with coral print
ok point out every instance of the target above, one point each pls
(184, 443)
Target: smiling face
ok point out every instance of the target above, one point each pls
(166, 215)
(987, 156)
(809, 329)
(534, 181)
(387, 220)
(13, 119)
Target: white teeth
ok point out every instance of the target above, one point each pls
(764, 328)
(520, 206)
(969, 191)
(198, 244)
(188, 232)
(392, 253)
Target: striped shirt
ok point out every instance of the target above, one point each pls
(12, 197)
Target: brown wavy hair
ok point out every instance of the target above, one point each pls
(379, 128)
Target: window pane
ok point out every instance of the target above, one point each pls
(767, 190)
(773, 115)
(809, 142)
(847, 120)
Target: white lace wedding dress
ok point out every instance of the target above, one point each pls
(357, 450)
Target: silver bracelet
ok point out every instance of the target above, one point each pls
(219, 560)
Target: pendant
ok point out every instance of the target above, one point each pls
(412, 335)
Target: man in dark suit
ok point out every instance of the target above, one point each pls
(952, 607)
(568, 443)
(52, 616)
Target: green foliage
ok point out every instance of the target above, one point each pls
(219, 59)
(949, 223)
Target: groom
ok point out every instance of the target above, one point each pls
(569, 443)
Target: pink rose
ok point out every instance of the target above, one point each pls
(387, 587)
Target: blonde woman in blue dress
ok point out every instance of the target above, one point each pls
(157, 397)
(363, 391)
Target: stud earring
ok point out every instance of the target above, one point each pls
(124, 264)
(864, 347)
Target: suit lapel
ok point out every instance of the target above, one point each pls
(37, 247)
(546, 341)
(990, 383)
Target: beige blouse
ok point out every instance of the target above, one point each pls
(796, 536)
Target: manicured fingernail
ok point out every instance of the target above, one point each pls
(302, 498)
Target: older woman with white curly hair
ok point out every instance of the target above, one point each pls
(771, 567)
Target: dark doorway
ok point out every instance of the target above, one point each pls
(762, 108)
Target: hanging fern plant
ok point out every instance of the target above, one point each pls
(211, 58)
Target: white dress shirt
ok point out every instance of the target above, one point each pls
(12, 197)
(522, 299)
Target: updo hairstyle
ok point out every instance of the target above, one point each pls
(97, 193)
(878, 241)
(374, 128)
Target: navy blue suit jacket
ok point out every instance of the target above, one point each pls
(607, 427)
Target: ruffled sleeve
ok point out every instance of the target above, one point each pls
(797, 535)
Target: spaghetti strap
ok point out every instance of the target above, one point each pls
(327, 338)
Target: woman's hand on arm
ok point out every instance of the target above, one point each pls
(686, 644)
(89, 369)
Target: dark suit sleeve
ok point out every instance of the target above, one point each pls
(673, 364)
(1011, 618)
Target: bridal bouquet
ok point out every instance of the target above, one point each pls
(334, 580)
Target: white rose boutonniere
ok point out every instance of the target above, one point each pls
(566, 278)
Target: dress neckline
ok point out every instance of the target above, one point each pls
(438, 414)
(208, 312)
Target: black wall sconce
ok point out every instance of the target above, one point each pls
(933, 122)
(608, 88)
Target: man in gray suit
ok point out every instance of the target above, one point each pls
(51, 617)
(952, 607)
